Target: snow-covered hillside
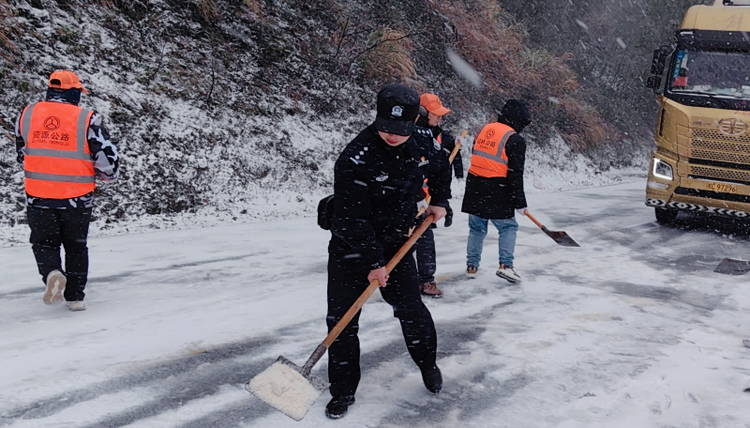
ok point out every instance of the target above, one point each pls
(237, 110)
(632, 329)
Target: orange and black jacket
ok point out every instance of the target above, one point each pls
(499, 197)
(63, 149)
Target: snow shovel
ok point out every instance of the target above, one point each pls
(561, 238)
(733, 267)
(291, 389)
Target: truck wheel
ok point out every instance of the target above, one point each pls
(665, 216)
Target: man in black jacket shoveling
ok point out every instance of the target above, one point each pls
(428, 136)
(377, 183)
(494, 187)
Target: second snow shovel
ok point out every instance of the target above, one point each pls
(291, 389)
(733, 267)
(561, 238)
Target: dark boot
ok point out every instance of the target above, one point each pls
(338, 406)
(433, 380)
(429, 288)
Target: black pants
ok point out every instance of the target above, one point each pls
(347, 279)
(426, 262)
(51, 228)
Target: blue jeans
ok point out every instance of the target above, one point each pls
(506, 239)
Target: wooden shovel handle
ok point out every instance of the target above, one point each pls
(374, 285)
(454, 152)
(458, 146)
(528, 214)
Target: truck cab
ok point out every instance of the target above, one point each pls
(702, 82)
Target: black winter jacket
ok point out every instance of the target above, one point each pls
(498, 198)
(376, 188)
(438, 167)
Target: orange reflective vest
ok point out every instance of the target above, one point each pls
(488, 157)
(57, 162)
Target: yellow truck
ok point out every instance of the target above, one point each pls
(702, 81)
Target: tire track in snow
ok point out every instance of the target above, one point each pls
(174, 383)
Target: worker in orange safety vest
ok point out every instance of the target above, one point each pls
(63, 149)
(494, 187)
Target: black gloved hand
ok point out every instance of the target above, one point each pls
(448, 217)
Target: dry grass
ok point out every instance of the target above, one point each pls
(209, 10)
(7, 31)
(388, 56)
(496, 45)
(255, 6)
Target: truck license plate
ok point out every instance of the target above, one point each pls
(723, 188)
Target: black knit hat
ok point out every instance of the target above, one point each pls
(398, 107)
(517, 111)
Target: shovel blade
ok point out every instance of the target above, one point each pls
(733, 267)
(284, 387)
(561, 238)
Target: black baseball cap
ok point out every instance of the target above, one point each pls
(398, 107)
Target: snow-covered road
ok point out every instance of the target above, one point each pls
(632, 329)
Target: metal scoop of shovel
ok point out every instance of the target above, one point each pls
(733, 267)
(291, 389)
(561, 238)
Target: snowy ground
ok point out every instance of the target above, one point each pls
(633, 329)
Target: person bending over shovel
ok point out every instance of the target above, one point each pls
(377, 183)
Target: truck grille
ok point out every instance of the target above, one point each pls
(723, 139)
(731, 175)
(716, 156)
(741, 158)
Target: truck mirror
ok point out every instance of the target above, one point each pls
(659, 60)
(654, 82)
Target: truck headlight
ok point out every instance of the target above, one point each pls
(662, 169)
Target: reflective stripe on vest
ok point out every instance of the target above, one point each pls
(58, 163)
(488, 157)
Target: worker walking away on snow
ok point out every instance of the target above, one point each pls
(494, 187)
(377, 183)
(437, 185)
(63, 148)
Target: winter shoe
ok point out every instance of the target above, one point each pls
(338, 406)
(507, 273)
(433, 380)
(471, 271)
(429, 288)
(76, 305)
(55, 285)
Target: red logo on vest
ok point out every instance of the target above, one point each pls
(51, 123)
